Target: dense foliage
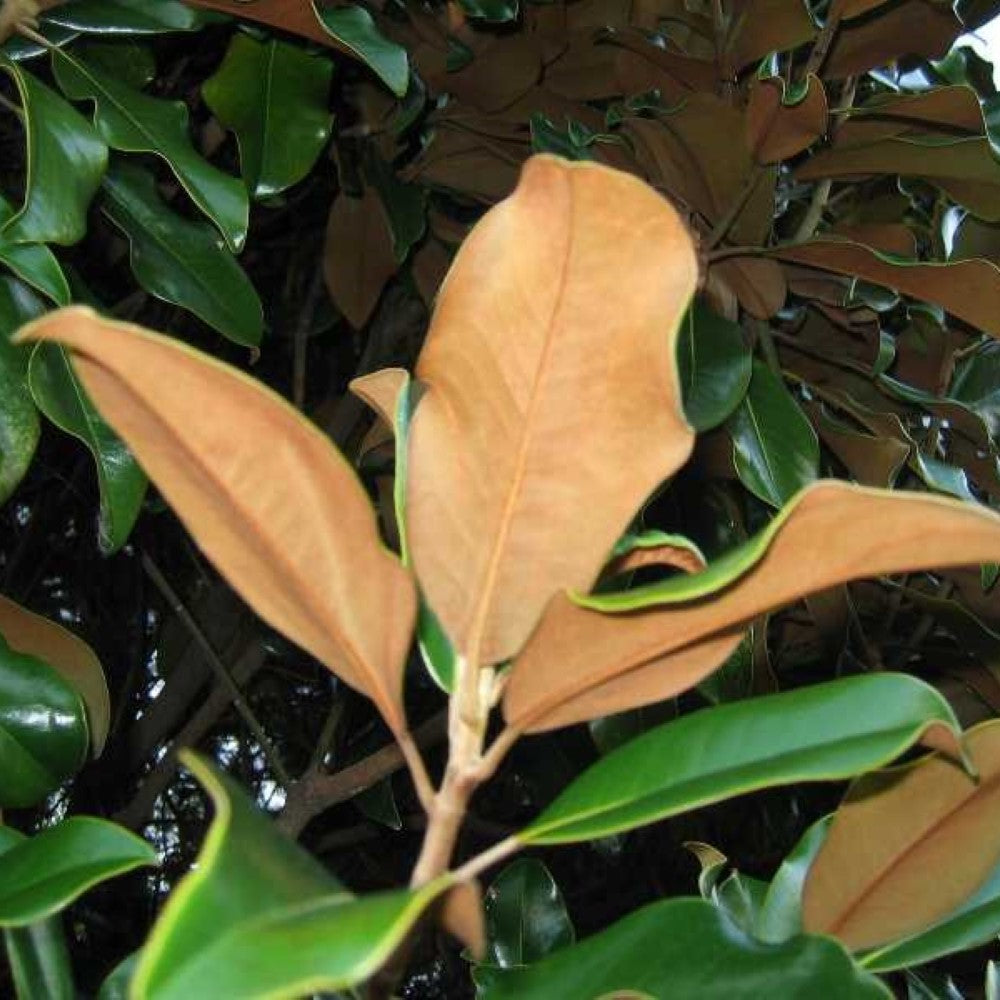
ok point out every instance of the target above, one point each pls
(689, 497)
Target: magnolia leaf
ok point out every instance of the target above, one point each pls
(134, 122)
(353, 31)
(782, 124)
(274, 96)
(33, 263)
(119, 17)
(284, 518)
(868, 885)
(685, 949)
(581, 663)
(46, 872)
(826, 732)
(541, 340)
(26, 632)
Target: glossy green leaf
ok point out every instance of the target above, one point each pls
(122, 484)
(974, 923)
(133, 122)
(526, 917)
(180, 261)
(941, 476)
(34, 264)
(132, 17)
(130, 61)
(826, 732)
(226, 931)
(740, 897)
(686, 949)
(781, 915)
(775, 448)
(714, 364)
(20, 49)
(37, 953)
(355, 30)
(977, 384)
(66, 160)
(118, 982)
(494, 11)
(405, 206)
(49, 870)
(274, 96)
(43, 729)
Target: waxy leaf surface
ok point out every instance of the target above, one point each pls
(870, 883)
(825, 732)
(580, 662)
(542, 340)
(265, 494)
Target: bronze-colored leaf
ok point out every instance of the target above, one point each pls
(761, 27)
(462, 916)
(833, 532)
(552, 406)
(758, 283)
(777, 130)
(663, 554)
(969, 289)
(267, 497)
(294, 16)
(358, 257)
(26, 632)
(907, 846)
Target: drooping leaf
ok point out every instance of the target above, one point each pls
(180, 261)
(581, 663)
(868, 885)
(289, 526)
(274, 96)
(48, 871)
(826, 732)
(34, 264)
(686, 949)
(390, 393)
(134, 122)
(355, 32)
(977, 384)
(43, 729)
(38, 955)
(229, 932)
(526, 917)
(654, 548)
(580, 357)
(66, 159)
(714, 365)
(775, 449)
(31, 634)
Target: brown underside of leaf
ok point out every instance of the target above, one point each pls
(674, 556)
(266, 496)
(908, 845)
(294, 16)
(462, 916)
(552, 407)
(835, 533)
(776, 131)
(26, 632)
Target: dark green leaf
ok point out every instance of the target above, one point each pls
(119, 980)
(686, 949)
(59, 394)
(130, 61)
(526, 917)
(774, 445)
(826, 732)
(274, 96)
(43, 729)
(32, 263)
(180, 261)
(20, 49)
(134, 122)
(977, 384)
(133, 17)
(494, 11)
(405, 207)
(378, 803)
(354, 29)
(714, 364)
(66, 159)
(46, 872)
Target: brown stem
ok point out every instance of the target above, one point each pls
(722, 227)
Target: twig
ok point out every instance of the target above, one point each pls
(821, 47)
(722, 227)
(220, 669)
(491, 856)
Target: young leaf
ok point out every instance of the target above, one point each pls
(826, 732)
(48, 871)
(231, 932)
(541, 341)
(66, 159)
(869, 885)
(133, 122)
(526, 917)
(274, 96)
(43, 729)
(686, 949)
(775, 448)
(180, 261)
(26, 632)
(714, 366)
(580, 662)
(283, 517)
